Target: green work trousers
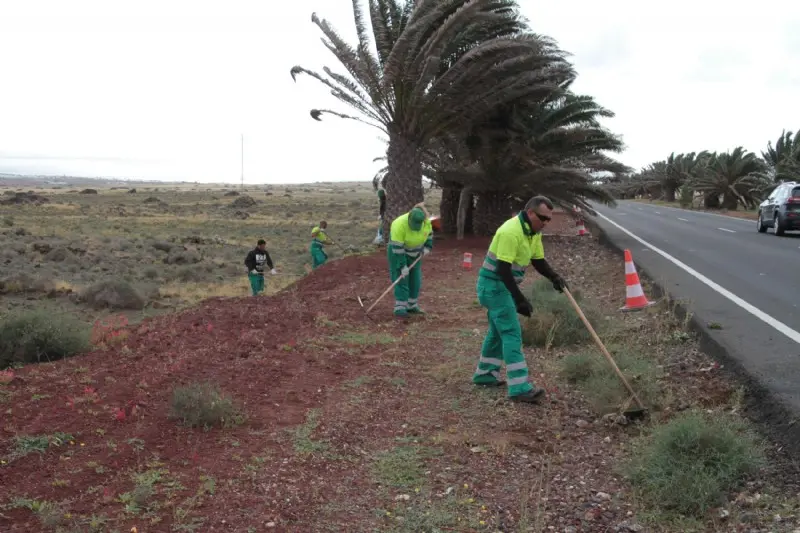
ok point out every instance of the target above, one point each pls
(406, 292)
(256, 283)
(318, 255)
(503, 341)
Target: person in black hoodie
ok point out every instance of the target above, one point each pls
(255, 266)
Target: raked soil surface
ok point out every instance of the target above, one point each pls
(350, 424)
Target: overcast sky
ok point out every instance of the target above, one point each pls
(163, 89)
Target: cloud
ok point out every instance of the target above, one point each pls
(165, 89)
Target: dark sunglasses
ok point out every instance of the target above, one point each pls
(543, 218)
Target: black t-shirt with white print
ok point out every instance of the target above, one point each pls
(255, 260)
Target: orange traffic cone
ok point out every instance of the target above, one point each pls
(466, 263)
(581, 229)
(634, 295)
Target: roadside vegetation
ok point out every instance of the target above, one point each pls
(736, 180)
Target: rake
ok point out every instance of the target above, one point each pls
(636, 412)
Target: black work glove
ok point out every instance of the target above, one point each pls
(524, 308)
(559, 283)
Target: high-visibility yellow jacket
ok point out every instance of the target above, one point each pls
(515, 243)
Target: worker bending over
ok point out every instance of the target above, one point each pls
(517, 243)
(318, 240)
(409, 236)
(255, 266)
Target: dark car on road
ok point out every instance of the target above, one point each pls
(781, 210)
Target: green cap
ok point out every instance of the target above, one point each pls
(415, 219)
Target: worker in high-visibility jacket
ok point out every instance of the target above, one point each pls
(517, 243)
(318, 241)
(410, 235)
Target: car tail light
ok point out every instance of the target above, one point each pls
(793, 200)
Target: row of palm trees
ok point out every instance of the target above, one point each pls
(724, 180)
(470, 97)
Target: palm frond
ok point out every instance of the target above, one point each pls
(317, 113)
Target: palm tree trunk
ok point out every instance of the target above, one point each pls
(448, 208)
(404, 179)
(464, 215)
(730, 201)
(491, 210)
(710, 200)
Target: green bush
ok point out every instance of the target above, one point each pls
(689, 464)
(34, 336)
(554, 322)
(685, 196)
(601, 385)
(203, 405)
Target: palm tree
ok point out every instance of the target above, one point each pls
(738, 176)
(435, 66)
(554, 147)
(783, 160)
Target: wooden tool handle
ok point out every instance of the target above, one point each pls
(395, 283)
(602, 347)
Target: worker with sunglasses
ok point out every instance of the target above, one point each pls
(516, 243)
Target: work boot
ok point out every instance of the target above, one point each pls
(491, 384)
(415, 311)
(532, 396)
(402, 315)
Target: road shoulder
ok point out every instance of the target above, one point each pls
(776, 418)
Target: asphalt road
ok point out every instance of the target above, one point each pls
(759, 272)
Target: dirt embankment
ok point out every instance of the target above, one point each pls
(350, 424)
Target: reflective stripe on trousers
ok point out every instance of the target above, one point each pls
(503, 342)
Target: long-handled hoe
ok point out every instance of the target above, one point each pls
(640, 411)
(361, 302)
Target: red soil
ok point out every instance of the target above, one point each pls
(272, 354)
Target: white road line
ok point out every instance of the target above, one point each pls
(658, 212)
(758, 313)
(728, 230)
(740, 219)
(679, 218)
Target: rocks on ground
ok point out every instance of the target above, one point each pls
(22, 198)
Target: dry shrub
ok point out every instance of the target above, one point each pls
(203, 405)
(554, 322)
(182, 257)
(113, 294)
(188, 274)
(34, 336)
(60, 255)
(25, 283)
(163, 246)
(244, 202)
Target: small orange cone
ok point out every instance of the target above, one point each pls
(466, 263)
(634, 295)
(581, 229)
